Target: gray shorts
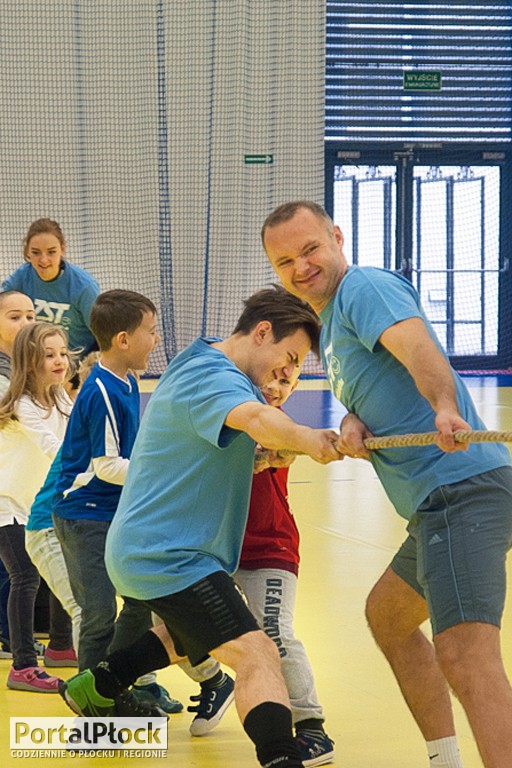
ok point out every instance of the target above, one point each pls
(456, 550)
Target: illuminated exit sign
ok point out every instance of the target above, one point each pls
(418, 80)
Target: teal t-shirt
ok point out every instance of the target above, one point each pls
(65, 301)
(184, 506)
(374, 385)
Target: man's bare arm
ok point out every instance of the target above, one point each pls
(411, 344)
(273, 429)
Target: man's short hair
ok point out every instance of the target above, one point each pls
(286, 313)
(287, 211)
(116, 311)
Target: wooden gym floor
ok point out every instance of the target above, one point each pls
(349, 533)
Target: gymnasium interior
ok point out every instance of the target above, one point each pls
(160, 134)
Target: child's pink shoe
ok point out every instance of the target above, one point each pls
(32, 679)
(66, 658)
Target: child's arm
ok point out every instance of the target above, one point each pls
(38, 428)
(111, 469)
(265, 459)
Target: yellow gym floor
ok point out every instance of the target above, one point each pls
(349, 533)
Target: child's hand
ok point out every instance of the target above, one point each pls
(264, 459)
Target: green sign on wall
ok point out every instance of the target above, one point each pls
(258, 159)
(422, 80)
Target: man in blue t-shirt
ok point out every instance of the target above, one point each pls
(177, 535)
(386, 366)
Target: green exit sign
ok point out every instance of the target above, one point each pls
(258, 159)
(421, 80)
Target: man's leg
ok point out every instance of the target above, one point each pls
(211, 608)
(395, 612)
(470, 657)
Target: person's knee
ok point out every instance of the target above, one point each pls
(381, 621)
(100, 615)
(253, 651)
(468, 652)
(394, 610)
(27, 579)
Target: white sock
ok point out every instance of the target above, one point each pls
(444, 753)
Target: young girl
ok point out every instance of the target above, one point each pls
(62, 293)
(16, 311)
(33, 418)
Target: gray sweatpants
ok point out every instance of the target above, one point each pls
(270, 594)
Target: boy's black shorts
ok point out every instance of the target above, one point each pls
(202, 617)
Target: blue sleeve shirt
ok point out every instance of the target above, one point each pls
(65, 301)
(184, 506)
(42, 508)
(103, 422)
(374, 385)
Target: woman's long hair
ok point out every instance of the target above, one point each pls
(28, 356)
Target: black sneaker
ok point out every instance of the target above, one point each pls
(315, 750)
(211, 706)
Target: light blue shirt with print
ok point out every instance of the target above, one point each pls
(65, 301)
(374, 385)
(184, 506)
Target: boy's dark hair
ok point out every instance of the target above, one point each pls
(116, 311)
(285, 312)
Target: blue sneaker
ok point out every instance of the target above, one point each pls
(155, 693)
(211, 706)
(314, 750)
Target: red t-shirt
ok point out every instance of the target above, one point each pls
(271, 536)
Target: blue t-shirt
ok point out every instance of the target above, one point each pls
(103, 422)
(184, 506)
(65, 301)
(375, 386)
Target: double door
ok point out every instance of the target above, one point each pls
(442, 218)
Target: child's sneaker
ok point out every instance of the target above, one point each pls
(314, 750)
(211, 706)
(80, 694)
(66, 658)
(153, 692)
(32, 679)
(5, 648)
(39, 648)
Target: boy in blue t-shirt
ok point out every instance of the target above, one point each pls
(94, 461)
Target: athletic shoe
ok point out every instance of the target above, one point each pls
(39, 648)
(314, 750)
(32, 679)
(80, 694)
(211, 706)
(66, 658)
(155, 693)
(6, 653)
(5, 648)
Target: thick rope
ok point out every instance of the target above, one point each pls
(426, 438)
